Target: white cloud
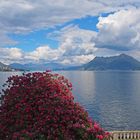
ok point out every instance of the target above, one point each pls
(7, 55)
(76, 45)
(76, 41)
(75, 48)
(43, 52)
(120, 31)
(77, 60)
(23, 16)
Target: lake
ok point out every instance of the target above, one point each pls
(111, 98)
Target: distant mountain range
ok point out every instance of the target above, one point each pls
(37, 66)
(4, 67)
(120, 62)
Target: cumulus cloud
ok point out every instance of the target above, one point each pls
(76, 41)
(43, 53)
(76, 44)
(7, 55)
(119, 31)
(23, 16)
(75, 48)
(77, 60)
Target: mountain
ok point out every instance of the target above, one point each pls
(17, 66)
(37, 66)
(4, 67)
(120, 62)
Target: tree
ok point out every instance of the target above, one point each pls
(40, 106)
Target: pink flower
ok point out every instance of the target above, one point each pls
(41, 104)
(100, 137)
(96, 126)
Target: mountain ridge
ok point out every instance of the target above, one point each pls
(4, 67)
(37, 66)
(120, 62)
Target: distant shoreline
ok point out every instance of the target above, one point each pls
(78, 70)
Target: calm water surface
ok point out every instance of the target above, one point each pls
(112, 98)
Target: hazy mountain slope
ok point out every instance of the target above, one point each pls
(4, 67)
(121, 62)
(37, 66)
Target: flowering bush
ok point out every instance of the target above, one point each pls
(40, 106)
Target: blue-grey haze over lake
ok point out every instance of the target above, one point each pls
(111, 98)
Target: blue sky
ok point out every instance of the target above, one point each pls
(68, 33)
(30, 41)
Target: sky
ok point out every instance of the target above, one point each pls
(68, 32)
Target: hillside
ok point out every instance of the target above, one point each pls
(121, 62)
(37, 66)
(4, 67)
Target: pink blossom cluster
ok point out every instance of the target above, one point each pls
(40, 106)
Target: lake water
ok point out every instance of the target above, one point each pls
(112, 98)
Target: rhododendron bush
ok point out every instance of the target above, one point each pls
(40, 106)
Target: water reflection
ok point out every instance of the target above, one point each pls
(111, 98)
